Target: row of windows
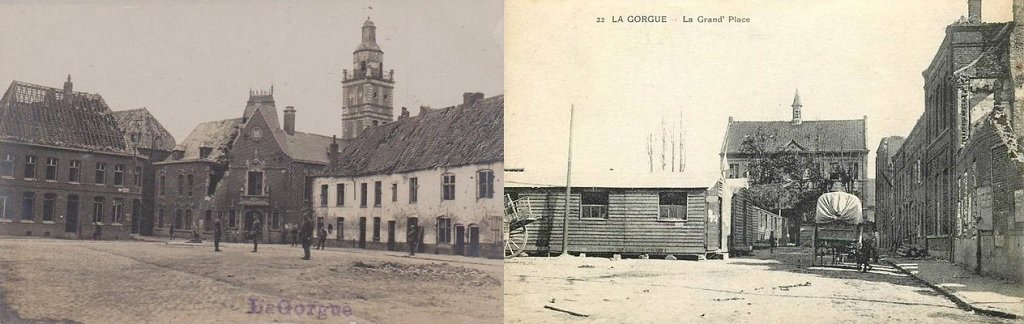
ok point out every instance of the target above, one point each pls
(852, 169)
(443, 227)
(74, 170)
(185, 185)
(485, 189)
(594, 205)
(116, 211)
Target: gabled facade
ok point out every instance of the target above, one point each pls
(65, 165)
(240, 170)
(144, 132)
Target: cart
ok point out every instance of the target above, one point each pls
(518, 214)
(838, 229)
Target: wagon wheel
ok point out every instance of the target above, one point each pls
(515, 240)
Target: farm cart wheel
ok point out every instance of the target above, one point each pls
(515, 241)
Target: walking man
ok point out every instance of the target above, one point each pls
(306, 234)
(322, 233)
(218, 230)
(256, 233)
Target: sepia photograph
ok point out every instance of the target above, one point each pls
(764, 161)
(251, 161)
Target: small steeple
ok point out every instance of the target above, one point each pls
(796, 107)
(68, 86)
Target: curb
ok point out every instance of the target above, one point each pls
(956, 299)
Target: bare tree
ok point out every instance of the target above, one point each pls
(673, 146)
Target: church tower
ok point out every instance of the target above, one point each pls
(796, 108)
(367, 91)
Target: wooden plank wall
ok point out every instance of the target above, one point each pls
(632, 226)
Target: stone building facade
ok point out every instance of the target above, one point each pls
(367, 92)
(65, 166)
(440, 170)
(958, 174)
(144, 133)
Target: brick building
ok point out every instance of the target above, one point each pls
(150, 139)
(957, 176)
(885, 180)
(240, 170)
(65, 166)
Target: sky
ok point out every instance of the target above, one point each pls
(849, 59)
(195, 61)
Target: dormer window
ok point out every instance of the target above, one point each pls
(257, 133)
(204, 152)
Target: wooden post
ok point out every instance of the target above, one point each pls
(568, 188)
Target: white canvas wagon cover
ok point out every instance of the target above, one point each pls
(839, 206)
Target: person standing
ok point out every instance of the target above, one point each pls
(412, 237)
(218, 230)
(295, 235)
(771, 242)
(322, 233)
(306, 234)
(256, 233)
(172, 233)
(98, 233)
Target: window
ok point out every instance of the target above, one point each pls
(394, 192)
(672, 206)
(323, 195)
(414, 187)
(734, 171)
(137, 177)
(855, 171)
(257, 133)
(160, 217)
(191, 183)
(340, 227)
(377, 193)
(485, 180)
(275, 220)
(3, 208)
(116, 210)
(448, 186)
(340, 195)
(51, 169)
(444, 230)
(204, 152)
(7, 166)
(307, 189)
(49, 206)
(232, 219)
(594, 204)
(28, 201)
(162, 185)
(101, 173)
(119, 174)
(181, 184)
(362, 195)
(208, 221)
(376, 229)
(97, 210)
(188, 219)
(178, 219)
(30, 167)
(255, 187)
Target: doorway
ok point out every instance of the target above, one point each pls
(362, 232)
(71, 222)
(460, 239)
(391, 235)
(474, 240)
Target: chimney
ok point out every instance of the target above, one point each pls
(333, 148)
(289, 120)
(470, 98)
(405, 114)
(67, 88)
(974, 11)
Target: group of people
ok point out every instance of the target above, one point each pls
(305, 233)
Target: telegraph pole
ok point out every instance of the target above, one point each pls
(568, 188)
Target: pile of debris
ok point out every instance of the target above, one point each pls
(429, 272)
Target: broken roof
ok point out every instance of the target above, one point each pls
(612, 179)
(305, 146)
(216, 135)
(808, 135)
(43, 115)
(450, 137)
(142, 130)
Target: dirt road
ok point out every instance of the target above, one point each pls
(775, 288)
(122, 282)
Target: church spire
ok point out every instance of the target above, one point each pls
(796, 107)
